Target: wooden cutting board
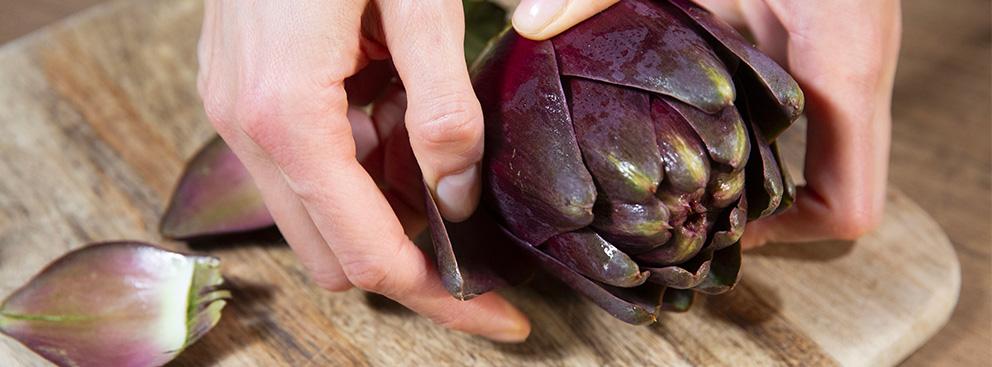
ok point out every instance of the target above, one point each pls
(98, 113)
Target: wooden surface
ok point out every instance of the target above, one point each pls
(97, 115)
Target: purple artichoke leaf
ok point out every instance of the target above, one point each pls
(730, 229)
(677, 300)
(723, 133)
(535, 170)
(589, 254)
(725, 271)
(687, 166)
(765, 198)
(473, 256)
(214, 196)
(725, 188)
(614, 130)
(632, 228)
(632, 307)
(671, 59)
(789, 190)
(785, 98)
(687, 240)
(683, 276)
(116, 304)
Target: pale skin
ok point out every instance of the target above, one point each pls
(272, 78)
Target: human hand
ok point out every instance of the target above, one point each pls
(843, 53)
(273, 81)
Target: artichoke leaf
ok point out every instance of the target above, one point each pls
(765, 198)
(589, 254)
(533, 165)
(632, 228)
(215, 196)
(687, 166)
(671, 59)
(687, 240)
(789, 189)
(683, 276)
(782, 89)
(634, 306)
(723, 133)
(614, 130)
(731, 229)
(116, 304)
(677, 300)
(473, 256)
(725, 271)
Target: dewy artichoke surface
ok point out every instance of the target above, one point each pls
(625, 156)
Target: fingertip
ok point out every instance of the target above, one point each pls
(458, 194)
(508, 324)
(542, 19)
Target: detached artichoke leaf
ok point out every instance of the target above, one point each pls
(473, 256)
(631, 307)
(639, 45)
(535, 170)
(677, 300)
(723, 133)
(725, 271)
(116, 304)
(215, 196)
(590, 255)
(765, 198)
(789, 189)
(785, 95)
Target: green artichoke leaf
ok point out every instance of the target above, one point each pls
(589, 254)
(484, 20)
(214, 196)
(785, 93)
(639, 45)
(532, 164)
(677, 300)
(116, 304)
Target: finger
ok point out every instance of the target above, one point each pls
(849, 117)
(444, 118)
(306, 135)
(543, 19)
(292, 219)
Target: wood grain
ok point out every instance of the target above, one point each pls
(97, 114)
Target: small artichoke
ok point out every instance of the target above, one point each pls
(625, 156)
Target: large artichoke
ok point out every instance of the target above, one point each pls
(625, 156)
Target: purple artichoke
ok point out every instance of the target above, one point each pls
(625, 156)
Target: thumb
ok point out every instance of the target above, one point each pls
(543, 19)
(443, 117)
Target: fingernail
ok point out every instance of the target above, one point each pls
(515, 328)
(533, 16)
(457, 194)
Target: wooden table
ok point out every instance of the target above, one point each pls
(941, 153)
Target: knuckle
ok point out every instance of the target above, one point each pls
(371, 276)
(448, 120)
(333, 281)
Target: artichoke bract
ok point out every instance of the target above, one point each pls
(625, 157)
